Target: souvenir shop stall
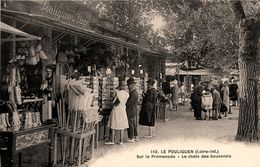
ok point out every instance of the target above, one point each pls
(21, 96)
(80, 60)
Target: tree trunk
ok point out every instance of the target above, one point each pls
(248, 118)
(248, 114)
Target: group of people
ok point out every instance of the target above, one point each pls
(124, 113)
(210, 101)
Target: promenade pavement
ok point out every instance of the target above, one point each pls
(183, 141)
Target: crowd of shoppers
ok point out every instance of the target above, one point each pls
(210, 101)
(124, 113)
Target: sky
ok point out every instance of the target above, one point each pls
(157, 22)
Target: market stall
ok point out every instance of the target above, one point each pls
(21, 126)
(86, 58)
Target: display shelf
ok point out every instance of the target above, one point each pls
(14, 142)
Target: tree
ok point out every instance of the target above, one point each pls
(248, 114)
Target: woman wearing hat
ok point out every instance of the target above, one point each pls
(147, 113)
(118, 117)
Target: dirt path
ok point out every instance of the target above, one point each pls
(183, 141)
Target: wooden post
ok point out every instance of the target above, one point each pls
(55, 148)
(97, 135)
(92, 145)
(80, 151)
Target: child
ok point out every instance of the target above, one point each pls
(206, 103)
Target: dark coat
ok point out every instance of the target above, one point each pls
(166, 88)
(147, 113)
(131, 104)
(233, 94)
(196, 94)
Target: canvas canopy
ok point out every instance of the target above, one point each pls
(20, 35)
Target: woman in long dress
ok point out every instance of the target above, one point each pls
(147, 113)
(118, 118)
(225, 95)
(175, 95)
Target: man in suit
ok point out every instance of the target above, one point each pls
(131, 110)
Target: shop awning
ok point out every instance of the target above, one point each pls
(57, 25)
(202, 72)
(175, 71)
(20, 35)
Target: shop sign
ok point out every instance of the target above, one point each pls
(59, 12)
(172, 65)
(68, 12)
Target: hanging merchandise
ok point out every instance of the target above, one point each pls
(36, 121)
(31, 59)
(18, 96)
(16, 120)
(4, 121)
(17, 89)
(28, 120)
(32, 50)
(35, 54)
(40, 52)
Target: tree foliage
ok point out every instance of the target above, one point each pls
(201, 30)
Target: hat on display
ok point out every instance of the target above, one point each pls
(121, 85)
(150, 81)
(130, 81)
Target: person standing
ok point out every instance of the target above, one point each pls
(225, 95)
(182, 92)
(131, 110)
(206, 103)
(147, 113)
(175, 95)
(196, 101)
(118, 118)
(233, 92)
(216, 103)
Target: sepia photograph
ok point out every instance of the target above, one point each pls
(130, 83)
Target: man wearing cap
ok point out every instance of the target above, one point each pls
(131, 110)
